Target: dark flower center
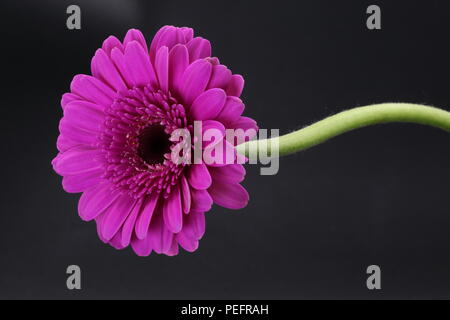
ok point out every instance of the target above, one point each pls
(135, 141)
(153, 144)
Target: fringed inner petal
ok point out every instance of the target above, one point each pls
(135, 141)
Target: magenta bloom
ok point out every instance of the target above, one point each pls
(114, 144)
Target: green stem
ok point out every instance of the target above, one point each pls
(349, 120)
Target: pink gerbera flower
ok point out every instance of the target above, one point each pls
(114, 144)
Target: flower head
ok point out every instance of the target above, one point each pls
(114, 143)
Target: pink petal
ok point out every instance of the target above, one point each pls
(187, 243)
(135, 35)
(82, 182)
(178, 62)
(68, 97)
(220, 77)
(247, 124)
(235, 86)
(173, 250)
(213, 132)
(188, 33)
(92, 89)
(146, 213)
(129, 225)
(227, 195)
(173, 214)
(84, 115)
(99, 221)
(213, 60)
(103, 68)
(110, 43)
(194, 80)
(201, 201)
(155, 41)
(138, 65)
(115, 242)
(63, 143)
(233, 173)
(77, 160)
(162, 68)
(194, 225)
(231, 111)
(118, 58)
(185, 194)
(72, 135)
(198, 176)
(219, 155)
(208, 105)
(116, 214)
(169, 36)
(96, 200)
(142, 248)
(159, 234)
(199, 48)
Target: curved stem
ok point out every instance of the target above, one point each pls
(349, 120)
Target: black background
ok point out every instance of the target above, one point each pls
(379, 195)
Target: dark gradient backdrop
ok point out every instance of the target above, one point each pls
(375, 196)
